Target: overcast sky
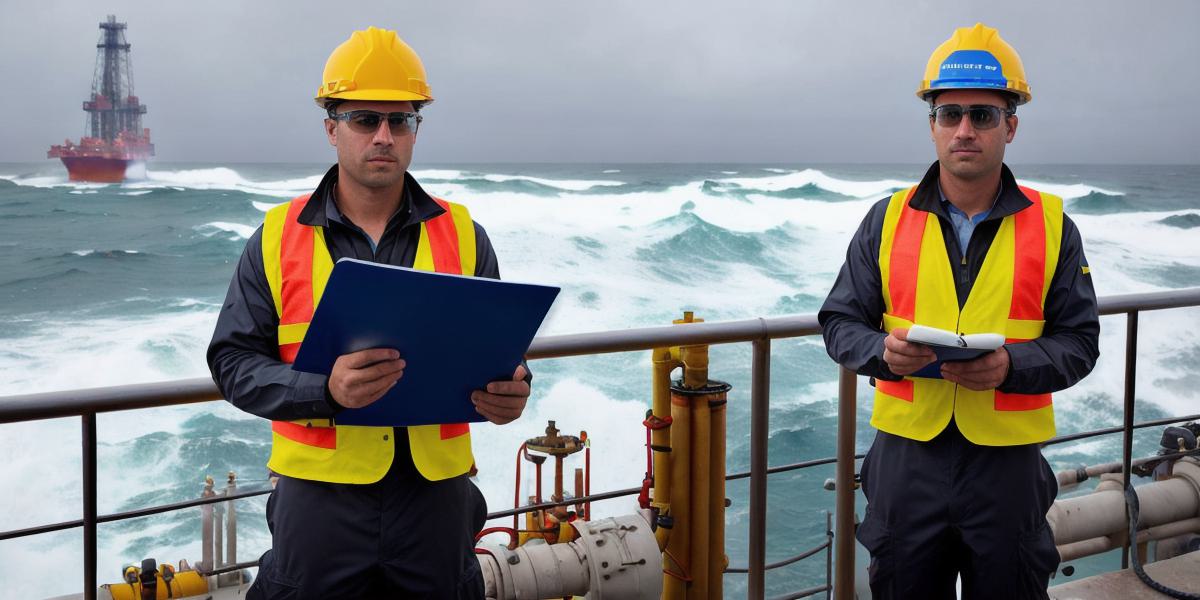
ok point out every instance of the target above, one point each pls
(615, 80)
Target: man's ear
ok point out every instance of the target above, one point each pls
(331, 131)
(1012, 129)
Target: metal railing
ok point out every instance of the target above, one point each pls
(86, 404)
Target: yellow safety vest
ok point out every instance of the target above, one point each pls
(297, 265)
(1007, 297)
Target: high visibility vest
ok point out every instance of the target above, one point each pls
(298, 264)
(1007, 297)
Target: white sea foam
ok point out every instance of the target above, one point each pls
(611, 171)
(793, 180)
(224, 178)
(443, 174)
(239, 231)
(575, 185)
(109, 252)
(1068, 191)
(264, 206)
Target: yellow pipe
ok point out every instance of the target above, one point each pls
(694, 358)
(717, 561)
(678, 559)
(699, 509)
(664, 363)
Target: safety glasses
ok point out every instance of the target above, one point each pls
(367, 121)
(983, 116)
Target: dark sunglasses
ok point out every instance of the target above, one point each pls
(983, 116)
(367, 121)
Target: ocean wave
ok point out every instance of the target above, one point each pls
(473, 178)
(214, 178)
(1184, 221)
(810, 178)
(703, 248)
(809, 191)
(436, 174)
(239, 231)
(1068, 191)
(264, 206)
(104, 253)
(574, 185)
(1099, 203)
(224, 178)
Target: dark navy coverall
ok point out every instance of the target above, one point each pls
(947, 506)
(401, 537)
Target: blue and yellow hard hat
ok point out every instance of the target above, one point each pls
(975, 58)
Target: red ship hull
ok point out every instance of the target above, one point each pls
(95, 169)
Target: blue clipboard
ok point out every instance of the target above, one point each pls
(456, 334)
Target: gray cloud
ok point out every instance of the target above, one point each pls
(615, 81)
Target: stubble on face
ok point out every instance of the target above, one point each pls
(968, 153)
(378, 160)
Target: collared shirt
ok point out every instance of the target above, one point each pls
(244, 353)
(851, 315)
(964, 226)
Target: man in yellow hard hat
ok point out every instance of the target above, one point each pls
(955, 483)
(358, 512)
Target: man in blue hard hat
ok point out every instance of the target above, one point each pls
(955, 482)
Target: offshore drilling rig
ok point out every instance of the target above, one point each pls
(115, 137)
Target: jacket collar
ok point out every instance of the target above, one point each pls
(417, 206)
(1010, 201)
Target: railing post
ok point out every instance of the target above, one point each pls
(1131, 331)
(231, 521)
(207, 528)
(760, 396)
(843, 585)
(828, 554)
(89, 505)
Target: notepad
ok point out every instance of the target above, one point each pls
(455, 333)
(950, 346)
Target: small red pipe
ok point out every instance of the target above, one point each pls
(517, 486)
(587, 474)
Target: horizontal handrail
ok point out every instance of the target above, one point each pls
(1073, 437)
(785, 562)
(134, 514)
(51, 405)
(812, 591)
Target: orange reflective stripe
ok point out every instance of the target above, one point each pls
(1007, 401)
(295, 258)
(453, 430)
(1029, 268)
(443, 241)
(288, 352)
(906, 259)
(902, 389)
(320, 437)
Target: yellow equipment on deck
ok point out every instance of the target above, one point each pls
(687, 429)
(164, 579)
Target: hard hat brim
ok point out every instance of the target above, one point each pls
(942, 85)
(374, 95)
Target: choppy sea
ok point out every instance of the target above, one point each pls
(104, 285)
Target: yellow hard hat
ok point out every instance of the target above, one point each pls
(373, 65)
(975, 58)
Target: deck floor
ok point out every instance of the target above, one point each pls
(1181, 573)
